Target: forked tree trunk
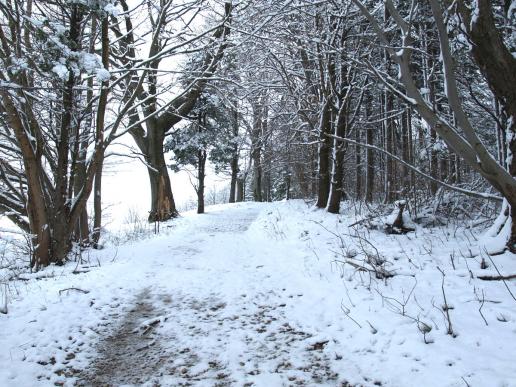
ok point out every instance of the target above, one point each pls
(61, 233)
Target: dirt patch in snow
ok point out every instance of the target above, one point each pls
(132, 354)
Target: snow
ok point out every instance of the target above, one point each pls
(112, 10)
(268, 294)
(60, 70)
(103, 75)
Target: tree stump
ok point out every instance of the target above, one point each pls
(399, 222)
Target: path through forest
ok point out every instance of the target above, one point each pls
(263, 294)
(229, 326)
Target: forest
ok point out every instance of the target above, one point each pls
(399, 107)
(327, 101)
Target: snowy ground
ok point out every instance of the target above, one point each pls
(267, 295)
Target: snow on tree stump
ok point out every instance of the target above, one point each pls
(399, 222)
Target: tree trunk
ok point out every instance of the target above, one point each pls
(358, 165)
(338, 161)
(323, 191)
(61, 232)
(201, 174)
(41, 240)
(163, 206)
(97, 205)
(240, 190)
(369, 153)
(405, 150)
(234, 157)
(257, 176)
(498, 65)
(234, 177)
(256, 153)
(390, 175)
(82, 231)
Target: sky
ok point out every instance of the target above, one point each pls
(125, 187)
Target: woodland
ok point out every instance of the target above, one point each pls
(365, 230)
(407, 102)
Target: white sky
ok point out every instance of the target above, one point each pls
(125, 186)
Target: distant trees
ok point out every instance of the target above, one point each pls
(332, 113)
(209, 136)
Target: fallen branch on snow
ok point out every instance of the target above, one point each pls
(497, 277)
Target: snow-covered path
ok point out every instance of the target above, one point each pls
(207, 304)
(254, 295)
(213, 313)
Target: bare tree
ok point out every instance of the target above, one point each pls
(153, 112)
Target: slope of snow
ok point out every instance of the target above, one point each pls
(267, 295)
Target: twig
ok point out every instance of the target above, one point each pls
(76, 289)
(482, 302)
(500, 274)
(364, 220)
(347, 312)
(446, 307)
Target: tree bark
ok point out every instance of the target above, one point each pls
(369, 152)
(163, 206)
(256, 145)
(325, 142)
(234, 178)
(390, 170)
(339, 147)
(358, 165)
(240, 190)
(97, 206)
(201, 174)
(234, 159)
